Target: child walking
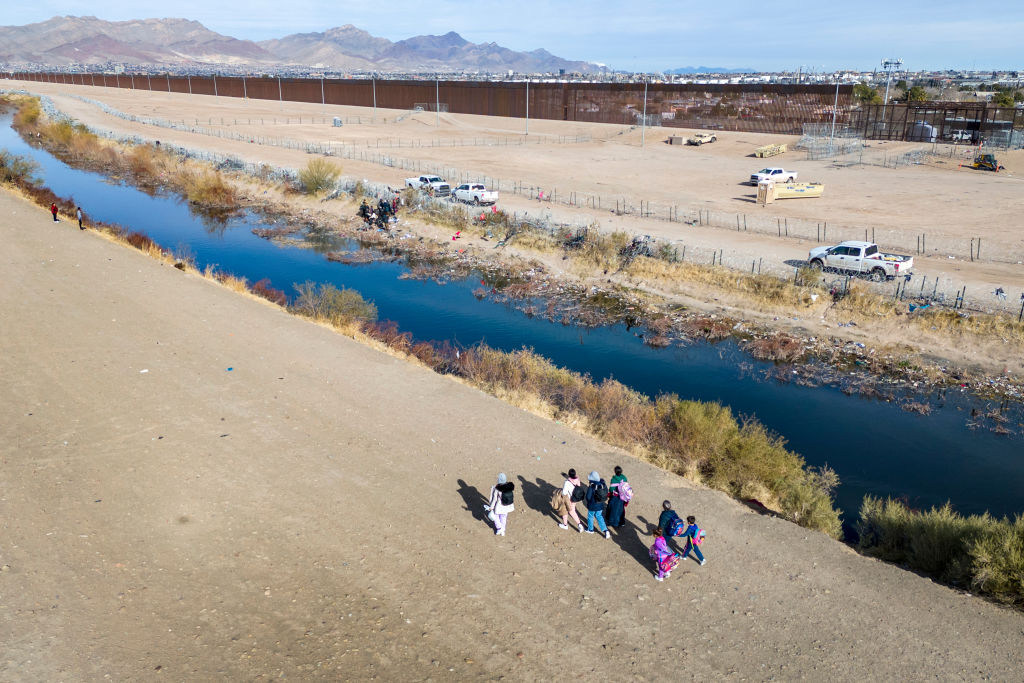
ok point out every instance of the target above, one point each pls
(694, 538)
(664, 559)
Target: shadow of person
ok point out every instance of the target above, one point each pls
(635, 539)
(474, 501)
(537, 496)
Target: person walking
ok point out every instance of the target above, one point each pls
(669, 521)
(78, 215)
(620, 494)
(664, 559)
(565, 499)
(694, 537)
(501, 503)
(53, 210)
(597, 494)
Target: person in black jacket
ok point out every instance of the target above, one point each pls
(597, 494)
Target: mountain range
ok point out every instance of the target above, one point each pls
(63, 41)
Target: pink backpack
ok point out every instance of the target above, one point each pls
(625, 491)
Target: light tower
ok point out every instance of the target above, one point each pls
(889, 65)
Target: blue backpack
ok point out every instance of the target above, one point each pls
(676, 527)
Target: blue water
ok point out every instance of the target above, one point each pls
(875, 446)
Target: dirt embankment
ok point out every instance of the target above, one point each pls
(198, 485)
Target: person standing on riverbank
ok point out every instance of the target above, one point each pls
(53, 210)
(597, 494)
(501, 503)
(564, 502)
(619, 493)
(78, 215)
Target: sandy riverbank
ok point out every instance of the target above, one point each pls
(314, 511)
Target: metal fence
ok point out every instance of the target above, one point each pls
(969, 123)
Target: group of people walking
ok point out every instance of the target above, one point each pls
(606, 508)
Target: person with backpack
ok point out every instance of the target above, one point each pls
(620, 493)
(563, 502)
(501, 503)
(664, 559)
(669, 521)
(694, 538)
(597, 494)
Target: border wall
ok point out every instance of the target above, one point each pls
(769, 108)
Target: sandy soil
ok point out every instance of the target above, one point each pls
(198, 485)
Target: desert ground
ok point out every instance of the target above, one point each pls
(198, 486)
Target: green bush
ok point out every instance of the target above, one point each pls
(978, 552)
(327, 303)
(319, 175)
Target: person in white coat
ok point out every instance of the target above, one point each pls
(501, 503)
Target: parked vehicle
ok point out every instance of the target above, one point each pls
(777, 175)
(860, 258)
(433, 183)
(475, 193)
(701, 138)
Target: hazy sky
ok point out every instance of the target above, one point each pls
(632, 35)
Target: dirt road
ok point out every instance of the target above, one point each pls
(197, 484)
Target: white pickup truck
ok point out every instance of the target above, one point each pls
(434, 183)
(778, 175)
(475, 193)
(860, 258)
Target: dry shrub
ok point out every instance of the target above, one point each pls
(140, 162)
(710, 328)
(28, 114)
(208, 188)
(319, 175)
(978, 552)
(264, 289)
(17, 170)
(340, 307)
(777, 347)
(388, 333)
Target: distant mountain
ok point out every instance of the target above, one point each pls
(62, 41)
(348, 47)
(88, 40)
(710, 70)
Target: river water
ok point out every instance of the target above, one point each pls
(875, 446)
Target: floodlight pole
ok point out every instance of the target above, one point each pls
(835, 108)
(527, 105)
(643, 124)
(889, 65)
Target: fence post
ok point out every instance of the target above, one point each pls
(972, 249)
(979, 248)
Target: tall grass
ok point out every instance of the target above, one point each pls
(208, 188)
(977, 552)
(319, 175)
